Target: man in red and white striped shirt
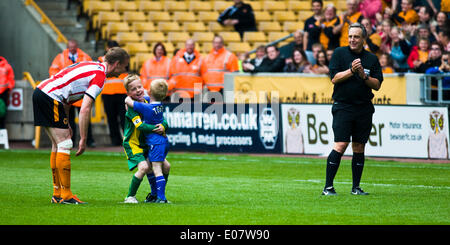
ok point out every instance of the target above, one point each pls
(51, 103)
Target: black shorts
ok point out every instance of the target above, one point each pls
(48, 112)
(352, 122)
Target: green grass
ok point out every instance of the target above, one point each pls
(214, 189)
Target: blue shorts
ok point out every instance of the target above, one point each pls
(158, 153)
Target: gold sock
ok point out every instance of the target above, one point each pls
(63, 167)
(55, 176)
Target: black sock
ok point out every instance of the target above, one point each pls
(357, 168)
(333, 161)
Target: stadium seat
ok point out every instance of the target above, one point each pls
(206, 47)
(304, 14)
(239, 47)
(268, 26)
(104, 17)
(172, 6)
(134, 16)
(273, 36)
(146, 6)
(114, 27)
(292, 26)
(122, 6)
(272, 6)
(168, 26)
(134, 48)
(262, 16)
(203, 37)
(169, 49)
(230, 36)
(182, 16)
(139, 60)
(220, 6)
(175, 37)
(126, 37)
(254, 36)
(198, 6)
(282, 16)
(298, 5)
(156, 16)
(216, 27)
(192, 27)
(93, 7)
(341, 5)
(153, 37)
(141, 27)
(256, 5)
(207, 16)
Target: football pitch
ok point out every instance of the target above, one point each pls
(225, 189)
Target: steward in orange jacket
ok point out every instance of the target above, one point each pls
(218, 62)
(156, 67)
(7, 83)
(184, 72)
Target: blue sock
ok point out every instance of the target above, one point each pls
(152, 181)
(161, 187)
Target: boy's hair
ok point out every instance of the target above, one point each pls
(158, 89)
(130, 78)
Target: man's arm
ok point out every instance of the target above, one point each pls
(84, 118)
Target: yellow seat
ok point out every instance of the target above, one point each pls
(341, 5)
(254, 36)
(147, 6)
(230, 36)
(182, 16)
(207, 16)
(172, 6)
(292, 26)
(134, 48)
(153, 37)
(141, 27)
(122, 6)
(134, 16)
(139, 60)
(262, 16)
(104, 17)
(282, 16)
(192, 27)
(167, 26)
(93, 7)
(276, 35)
(169, 49)
(216, 27)
(202, 37)
(126, 37)
(304, 14)
(114, 27)
(175, 37)
(239, 47)
(197, 6)
(299, 5)
(206, 47)
(159, 16)
(272, 6)
(268, 26)
(256, 5)
(221, 5)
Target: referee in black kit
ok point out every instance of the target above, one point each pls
(354, 73)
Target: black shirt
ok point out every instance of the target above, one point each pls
(268, 65)
(313, 32)
(354, 90)
(243, 13)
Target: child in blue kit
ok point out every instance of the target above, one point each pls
(152, 113)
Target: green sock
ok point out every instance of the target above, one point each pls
(134, 186)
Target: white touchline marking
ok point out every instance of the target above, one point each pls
(374, 184)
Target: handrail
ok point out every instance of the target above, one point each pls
(45, 19)
(274, 42)
(37, 129)
(27, 76)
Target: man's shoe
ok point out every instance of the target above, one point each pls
(131, 199)
(358, 191)
(158, 200)
(73, 200)
(150, 198)
(56, 199)
(329, 191)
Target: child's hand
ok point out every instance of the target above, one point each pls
(129, 101)
(159, 129)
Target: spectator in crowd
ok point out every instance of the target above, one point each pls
(260, 55)
(400, 49)
(407, 15)
(287, 50)
(425, 14)
(243, 57)
(315, 50)
(445, 6)
(7, 83)
(384, 31)
(444, 39)
(419, 54)
(422, 31)
(218, 62)
(113, 97)
(369, 9)
(311, 30)
(434, 58)
(156, 67)
(352, 15)
(185, 77)
(386, 63)
(321, 67)
(373, 41)
(444, 67)
(240, 16)
(329, 32)
(298, 63)
(272, 63)
(70, 56)
(329, 53)
(439, 25)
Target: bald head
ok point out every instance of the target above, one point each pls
(190, 45)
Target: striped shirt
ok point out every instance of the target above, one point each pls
(73, 82)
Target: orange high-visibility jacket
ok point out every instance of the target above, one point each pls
(215, 65)
(184, 76)
(113, 85)
(6, 76)
(154, 69)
